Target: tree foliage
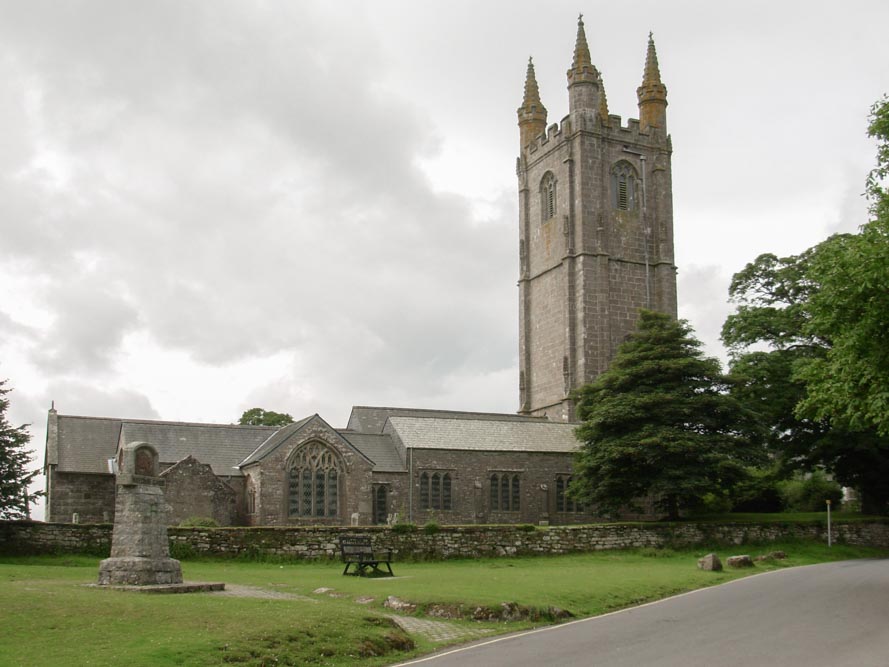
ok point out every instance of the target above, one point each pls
(15, 498)
(260, 417)
(810, 346)
(660, 423)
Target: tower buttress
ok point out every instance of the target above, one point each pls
(652, 93)
(532, 113)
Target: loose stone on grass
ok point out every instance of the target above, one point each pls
(710, 563)
(739, 561)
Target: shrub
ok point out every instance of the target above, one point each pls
(526, 527)
(431, 528)
(404, 528)
(760, 492)
(810, 494)
(199, 522)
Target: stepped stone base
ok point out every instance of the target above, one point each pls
(135, 571)
(185, 587)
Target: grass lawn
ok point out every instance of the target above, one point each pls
(51, 618)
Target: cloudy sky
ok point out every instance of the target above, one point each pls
(210, 206)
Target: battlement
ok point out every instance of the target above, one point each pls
(615, 128)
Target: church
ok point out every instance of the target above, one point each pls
(595, 246)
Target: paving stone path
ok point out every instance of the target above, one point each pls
(237, 590)
(437, 631)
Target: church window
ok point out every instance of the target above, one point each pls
(313, 479)
(564, 502)
(548, 196)
(505, 492)
(623, 186)
(251, 496)
(435, 491)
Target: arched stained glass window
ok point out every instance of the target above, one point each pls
(564, 502)
(435, 491)
(313, 479)
(505, 493)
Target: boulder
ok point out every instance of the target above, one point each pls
(710, 563)
(739, 561)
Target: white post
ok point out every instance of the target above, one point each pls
(829, 542)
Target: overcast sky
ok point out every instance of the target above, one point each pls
(210, 206)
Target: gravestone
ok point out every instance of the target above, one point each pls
(140, 552)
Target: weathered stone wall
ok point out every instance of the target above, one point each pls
(28, 537)
(471, 487)
(89, 495)
(192, 490)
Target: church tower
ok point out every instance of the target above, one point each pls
(595, 230)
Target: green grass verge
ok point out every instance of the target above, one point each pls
(54, 619)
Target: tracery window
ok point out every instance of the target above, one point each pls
(313, 478)
(435, 491)
(564, 502)
(623, 186)
(548, 196)
(505, 492)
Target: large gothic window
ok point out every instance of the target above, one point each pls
(505, 492)
(623, 186)
(313, 477)
(548, 196)
(435, 491)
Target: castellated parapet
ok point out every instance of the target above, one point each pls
(596, 235)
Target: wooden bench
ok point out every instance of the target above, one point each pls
(357, 550)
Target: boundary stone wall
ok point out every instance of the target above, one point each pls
(32, 537)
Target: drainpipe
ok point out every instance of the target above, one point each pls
(410, 485)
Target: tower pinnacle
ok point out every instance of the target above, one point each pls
(532, 113)
(652, 94)
(583, 77)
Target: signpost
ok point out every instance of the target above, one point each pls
(828, 524)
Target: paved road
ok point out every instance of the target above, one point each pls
(834, 614)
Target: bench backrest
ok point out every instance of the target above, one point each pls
(355, 544)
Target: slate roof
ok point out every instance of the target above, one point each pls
(485, 434)
(379, 448)
(222, 446)
(366, 419)
(86, 443)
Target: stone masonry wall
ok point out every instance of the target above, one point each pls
(31, 537)
(89, 495)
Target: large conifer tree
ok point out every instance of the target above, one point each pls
(14, 460)
(660, 423)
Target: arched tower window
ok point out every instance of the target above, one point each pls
(623, 186)
(313, 482)
(548, 196)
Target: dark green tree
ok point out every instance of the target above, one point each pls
(15, 498)
(810, 348)
(260, 417)
(660, 423)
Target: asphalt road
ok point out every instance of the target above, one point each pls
(834, 614)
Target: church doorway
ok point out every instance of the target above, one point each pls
(380, 504)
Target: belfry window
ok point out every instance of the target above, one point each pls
(313, 482)
(435, 491)
(505, 492)
(623, 186)
(548, 196)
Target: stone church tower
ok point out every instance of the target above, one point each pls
(595, 229)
